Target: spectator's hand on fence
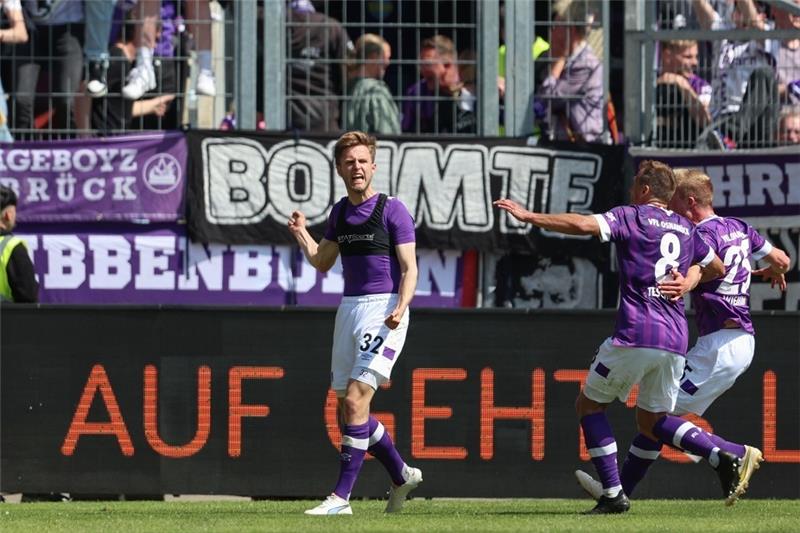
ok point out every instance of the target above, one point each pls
(161, 104)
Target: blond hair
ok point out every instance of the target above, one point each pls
(443, 45)
(351, 139)
(693, 182)
(678, 44)
(368, 46)
(659, 177)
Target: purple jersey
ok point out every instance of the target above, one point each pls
(650, 242)
(728, 298)
(372, 274)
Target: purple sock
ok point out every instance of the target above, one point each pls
(354, 447)
(683, 435)
(726, 446)
(382, 447)
(603, 451)
(642, 453)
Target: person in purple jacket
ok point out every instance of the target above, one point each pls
(374, 234)
(651, 333)
(726, 340)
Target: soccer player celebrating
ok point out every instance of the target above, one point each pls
(725, 347)
(375, 236)
(651, 333)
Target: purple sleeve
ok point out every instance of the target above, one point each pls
(399, 222)
(330, 231)
(701, 250)
(617, 220)
(409, 114)
(757, 242)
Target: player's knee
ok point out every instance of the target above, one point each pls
(351, 408)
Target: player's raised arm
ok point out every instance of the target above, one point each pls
(568, 223)
(322, 255)
(407, 258)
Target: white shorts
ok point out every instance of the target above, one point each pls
(364, 348)
(616, 369)
(712, 366)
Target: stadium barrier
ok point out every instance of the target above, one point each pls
(180, 400)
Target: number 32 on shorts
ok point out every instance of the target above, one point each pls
(371, 344)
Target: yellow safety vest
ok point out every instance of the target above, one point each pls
(7, 245)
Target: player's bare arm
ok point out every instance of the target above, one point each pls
(322, 255)
(407, 257)
(680, 285)
(778, 264)
(715, 269)
(568, 223)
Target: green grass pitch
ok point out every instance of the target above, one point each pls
(419, 515)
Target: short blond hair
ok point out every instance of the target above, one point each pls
(678, 45)
(694, 182)
(351, 139)
(368, 46)
(443, 46)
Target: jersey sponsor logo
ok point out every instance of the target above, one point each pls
(353, 237)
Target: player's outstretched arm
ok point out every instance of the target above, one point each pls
(568, 223)
(322, 255)
(778, 261)
(778, 264)
(407, 258)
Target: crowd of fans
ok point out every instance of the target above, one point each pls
(754, 85)
(118, 65)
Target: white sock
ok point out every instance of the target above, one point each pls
(713, 458)
(612, 492)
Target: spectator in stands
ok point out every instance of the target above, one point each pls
(573, 90)
(370, 106)
(787, 55)
(151, 13)
(460, 114)
(54, 45)
(114, 113)
(17, 279)
(682, 97)
(317, 68)
(15, 33)
(99, 16)
(789, 126)
(440, 78)
(745, 90)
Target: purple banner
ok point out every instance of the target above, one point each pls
(762, 187)
(157, 264)
(127, 178)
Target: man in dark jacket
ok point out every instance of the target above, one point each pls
(17, 280)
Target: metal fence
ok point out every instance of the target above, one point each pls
(263, 78)
(712, 75)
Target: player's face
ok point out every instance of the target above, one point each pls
(356, 168)
(680, 205)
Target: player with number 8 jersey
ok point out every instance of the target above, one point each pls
(374, 234)
(650, 337)
(725, 347)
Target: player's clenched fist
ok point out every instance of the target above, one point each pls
(297, 222)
